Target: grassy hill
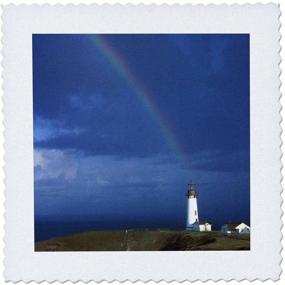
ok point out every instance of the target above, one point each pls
(144, 240)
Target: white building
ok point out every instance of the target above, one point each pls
(193, 223)
(202, 227)
(235, 228)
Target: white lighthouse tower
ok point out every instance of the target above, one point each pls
(192, 215)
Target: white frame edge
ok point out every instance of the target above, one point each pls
(261, 262)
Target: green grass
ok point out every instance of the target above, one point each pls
(145, 240)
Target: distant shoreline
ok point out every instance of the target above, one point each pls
(49, 229)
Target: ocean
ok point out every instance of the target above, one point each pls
(45, 230)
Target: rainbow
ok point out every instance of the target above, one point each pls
(120, 66)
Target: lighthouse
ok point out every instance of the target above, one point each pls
(192, 214)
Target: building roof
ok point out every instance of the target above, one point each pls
(202, 223)
(232, 226)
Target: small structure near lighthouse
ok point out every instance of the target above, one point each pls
(202, 227)
(235, 229)
(193, 222)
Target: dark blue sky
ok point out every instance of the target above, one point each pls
(123, 122)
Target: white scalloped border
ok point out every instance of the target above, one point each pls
(278, 73)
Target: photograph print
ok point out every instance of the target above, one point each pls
(141, 142)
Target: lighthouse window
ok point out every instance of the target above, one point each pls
(195, 213)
